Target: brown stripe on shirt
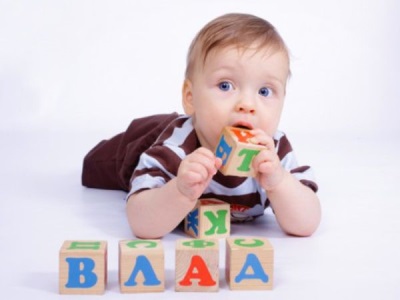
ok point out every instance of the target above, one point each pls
(284, 147)
(168, 132)
(166, 157)
(301, 169)
(153, 172)
(245, 200)
(191, 143)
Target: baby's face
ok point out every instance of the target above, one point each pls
(236, 88)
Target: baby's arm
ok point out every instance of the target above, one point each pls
(156, 212)
(296, 206)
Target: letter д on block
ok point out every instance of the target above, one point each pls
(83, 267)
(249, 263)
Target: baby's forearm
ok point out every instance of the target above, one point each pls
(156, 212)
(296, 207)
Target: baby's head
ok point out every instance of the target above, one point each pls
(236, 74)
(238, 30)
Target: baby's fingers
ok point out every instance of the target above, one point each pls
(264, 161)
(207, 159)
(261, 138)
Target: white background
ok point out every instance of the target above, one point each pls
(75, 72)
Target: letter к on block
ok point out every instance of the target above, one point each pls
(210, 218)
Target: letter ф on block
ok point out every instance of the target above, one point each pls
(237, 152)
(141, 266)
(197, 265)
(83, 267)
(249, 263)
(209, 219)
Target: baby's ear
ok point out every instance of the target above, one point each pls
(187, 97)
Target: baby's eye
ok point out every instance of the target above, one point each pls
(225, 86)
(265, 92)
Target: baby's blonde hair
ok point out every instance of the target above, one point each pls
(240, 30)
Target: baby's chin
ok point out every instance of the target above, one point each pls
(206, 140)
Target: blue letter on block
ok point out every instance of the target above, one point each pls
(75, 273)
(223, 150)
(258, 272)
(144, 265)
(193, 221)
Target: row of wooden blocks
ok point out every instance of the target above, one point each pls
(83, 264)
(249, 265)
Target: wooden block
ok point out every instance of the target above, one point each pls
(197, 265)
(141, 266)
(83, 267)
(237, 152)
(210, 218)
(249, 263)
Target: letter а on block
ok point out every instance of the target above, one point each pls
(197, 265)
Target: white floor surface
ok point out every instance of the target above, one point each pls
(353, 255)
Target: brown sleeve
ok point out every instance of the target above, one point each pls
(110, 164)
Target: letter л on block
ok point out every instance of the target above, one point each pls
(237, 152)
(141, 266)
(83, 267)
(197, 265)
(209, 219)
(249, 263)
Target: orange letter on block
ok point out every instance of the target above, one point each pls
(202, 273)
(242, 135)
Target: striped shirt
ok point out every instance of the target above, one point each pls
(248, 200)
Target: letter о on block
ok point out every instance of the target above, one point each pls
(209, 219)
(237, 152)
(197, 265)
(249, 263)
(83, 267)
(141, 266)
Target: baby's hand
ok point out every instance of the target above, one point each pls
(195, 172)
(269, 171)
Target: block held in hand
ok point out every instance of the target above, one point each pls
(237, 152)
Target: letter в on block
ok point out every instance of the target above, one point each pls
(83, 267)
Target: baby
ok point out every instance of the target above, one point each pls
(236, 75)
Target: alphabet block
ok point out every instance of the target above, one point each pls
(249, 263)
(141, 266)
(83, 267)
(197, 265)
(237, 152)
(209, 219)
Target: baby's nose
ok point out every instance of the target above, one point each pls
(245, 107)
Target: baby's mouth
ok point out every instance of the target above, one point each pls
(243, 125)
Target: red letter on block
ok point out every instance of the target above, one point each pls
(242, 135)
(202, 273)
